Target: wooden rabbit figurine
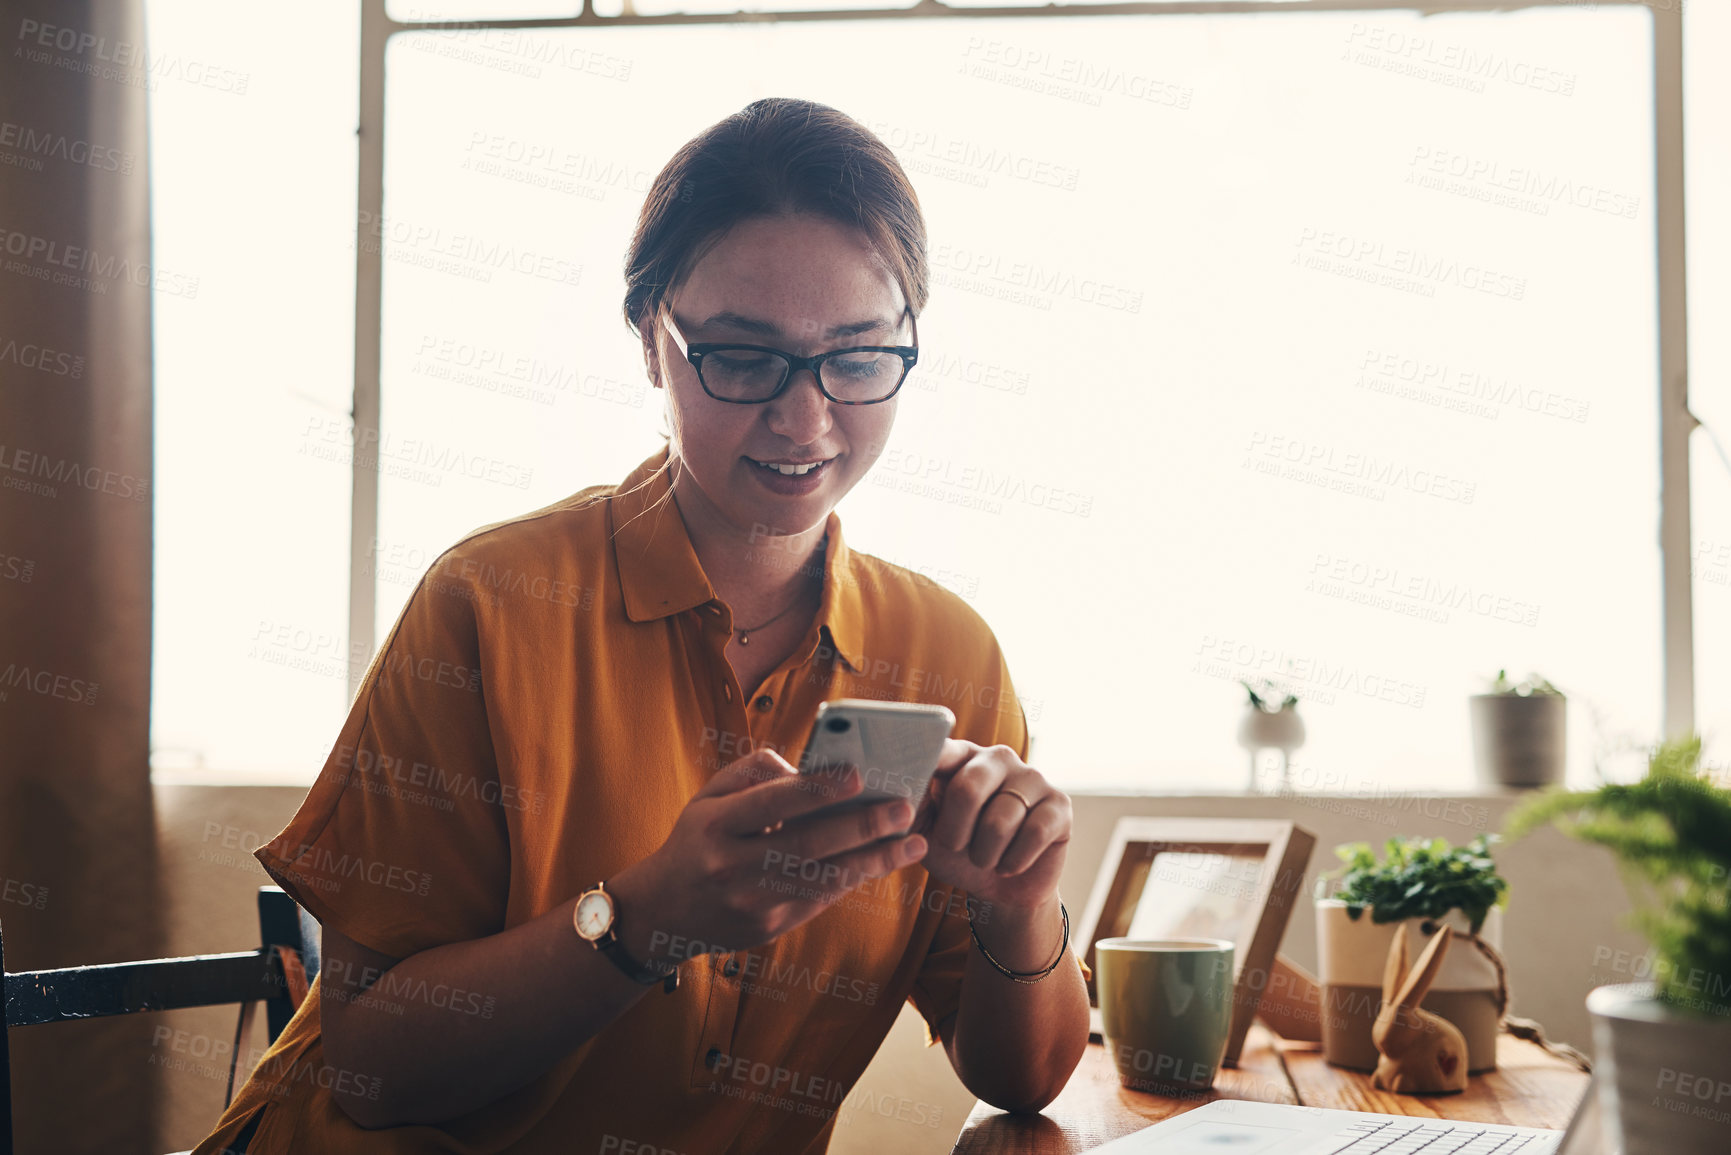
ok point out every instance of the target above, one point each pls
(1422, 1054)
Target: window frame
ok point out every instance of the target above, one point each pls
(1675, 421)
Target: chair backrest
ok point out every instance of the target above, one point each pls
(276, 974)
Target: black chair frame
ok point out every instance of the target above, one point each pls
(275, 974)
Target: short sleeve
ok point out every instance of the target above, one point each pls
(937, 991)
(401, 844)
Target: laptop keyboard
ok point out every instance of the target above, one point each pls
(1427, 1137)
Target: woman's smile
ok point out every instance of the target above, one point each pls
(791, 476)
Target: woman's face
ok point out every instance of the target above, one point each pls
(804, 284)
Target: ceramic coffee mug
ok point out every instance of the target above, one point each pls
(1165, 1009)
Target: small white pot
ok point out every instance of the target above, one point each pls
(1260, 729)
(1352, 954)
(1663, 1076)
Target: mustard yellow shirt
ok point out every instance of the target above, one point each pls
(553, 693)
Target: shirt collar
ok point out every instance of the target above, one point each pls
(661, 575)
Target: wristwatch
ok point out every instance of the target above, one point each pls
(594, 917)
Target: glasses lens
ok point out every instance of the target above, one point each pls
(743, 374)
(862, 376)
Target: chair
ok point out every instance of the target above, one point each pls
(276, 974)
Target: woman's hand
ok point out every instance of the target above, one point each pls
(1014, 1044)
(985, 840)
(748, 859)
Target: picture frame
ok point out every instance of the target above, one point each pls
(1226, 878)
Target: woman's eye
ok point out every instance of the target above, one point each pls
(863, 365)
(740, 363)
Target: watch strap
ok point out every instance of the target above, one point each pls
(666, 973)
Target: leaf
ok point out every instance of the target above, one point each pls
(1421, 878)
(1671, 833)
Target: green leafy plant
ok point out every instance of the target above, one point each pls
(1420, 878)
(1530, 685)
(1671, 832)
(1269, 690)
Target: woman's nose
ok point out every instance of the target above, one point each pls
(801, 414)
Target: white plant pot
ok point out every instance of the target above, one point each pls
(1260, 729)
(1518, 741)
(1663, 1076)
(1352, 954)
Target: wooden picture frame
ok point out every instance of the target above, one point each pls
(1240, 879)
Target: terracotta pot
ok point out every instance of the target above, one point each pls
(1352, 954)
(1663, 1075)
(1518, 741)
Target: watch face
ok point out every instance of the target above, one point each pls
(594, 914)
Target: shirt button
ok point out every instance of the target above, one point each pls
(732, 968)
(764, 701)
(727, 691)
(709, 1059)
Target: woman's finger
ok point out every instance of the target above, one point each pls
(955, 752)
(965, 793)
(1002, 819)
(860, 866)
(743, 773)
(824, 836)
(926, 813)
(1047, 825)
(767, 805)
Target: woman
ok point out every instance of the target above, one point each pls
(574, 896)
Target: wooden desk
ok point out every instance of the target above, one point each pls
(1529, 1088)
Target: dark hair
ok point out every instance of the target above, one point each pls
(776, 155)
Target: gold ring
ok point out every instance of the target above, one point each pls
(1017, 795)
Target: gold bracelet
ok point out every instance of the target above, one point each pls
(1022, 976)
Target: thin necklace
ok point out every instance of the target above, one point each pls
(745, 631)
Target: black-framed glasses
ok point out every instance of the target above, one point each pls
(753, 374)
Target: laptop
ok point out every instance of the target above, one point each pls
(1242, 1127)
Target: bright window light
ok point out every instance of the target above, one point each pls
(1311, 346)
(1707, 129)
(252, 188)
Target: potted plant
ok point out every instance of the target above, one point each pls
(1268, 726)
(1419, 885)
(1663, 1071)
(1518, 732)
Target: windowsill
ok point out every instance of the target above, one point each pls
(1390, 794)
(229, 779)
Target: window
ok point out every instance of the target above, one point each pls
(1707, 124)
(1308, 345)
(253, 192)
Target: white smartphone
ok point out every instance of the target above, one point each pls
(896, 746)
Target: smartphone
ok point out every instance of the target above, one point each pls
(896, 746)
